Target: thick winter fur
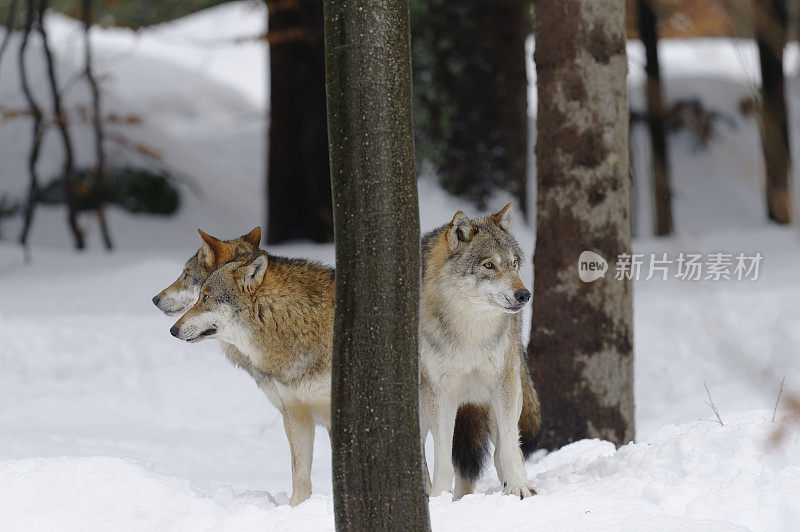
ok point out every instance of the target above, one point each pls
(476, 383)
(278, 314)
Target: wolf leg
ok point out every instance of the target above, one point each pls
(493, 438)
(506, 404)
(442, 419)
(464, 486)
(299, 429)
(423, 436)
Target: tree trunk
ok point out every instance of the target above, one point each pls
(655, 120)
(377, 457)
(61, 123)
(97, 122)
(38, 127)
(298, 180)
(582, 333)
(471, 94)
(771, 20)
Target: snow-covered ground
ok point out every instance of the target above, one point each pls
(109, 423)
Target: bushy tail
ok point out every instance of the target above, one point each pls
(471, 441)
(474, 426)
(530, 419)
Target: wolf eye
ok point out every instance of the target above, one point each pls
(205, 298)
(185, 275)
(488, 265)
(516, 264)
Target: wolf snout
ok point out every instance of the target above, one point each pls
(156, 300)
(174, 330)
(522, 296)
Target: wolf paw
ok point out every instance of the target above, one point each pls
(521, 490)
(297, 498)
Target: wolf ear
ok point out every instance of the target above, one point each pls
(459, 230)
(253, 237)
(210, 250)
(503, 218)
(251, 274)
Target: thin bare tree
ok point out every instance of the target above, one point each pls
(662, 193)
(38, 127)
(60, 120)
(100, 170)
(771, 21)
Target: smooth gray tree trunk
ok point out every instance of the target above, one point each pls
(582, 337)
(377, 457)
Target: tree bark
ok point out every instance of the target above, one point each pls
(771, 21)
(38, 127)
(582, 333)
(298, 179)
(655, 120)
(97, 122)
(471, 94)
(377, 457)
(61, 123)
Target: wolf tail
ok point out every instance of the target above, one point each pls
(530, 419)
(471, 441)
(474, 427)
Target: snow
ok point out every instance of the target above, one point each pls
(109, 423)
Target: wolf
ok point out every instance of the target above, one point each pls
(278, 314)
(476, 383)
(178, 297)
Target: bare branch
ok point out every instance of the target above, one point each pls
(712, 405)
(775, 410)
(69, 169)
(37, 133)
(97, 120)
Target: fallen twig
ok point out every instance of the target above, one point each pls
(712, 405)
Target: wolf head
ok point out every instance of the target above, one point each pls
(483, 260)
(180, 295)
(221, 308)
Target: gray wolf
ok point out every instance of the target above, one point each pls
(278, 314)
(180, 295)
(476, 384)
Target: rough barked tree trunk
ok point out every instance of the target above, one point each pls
(662, 193)
(97, 121)
(60, 120)
(771, 18)
(582, 338)
(37, 134)
(298, 179)
(471, 93)
(377, 457)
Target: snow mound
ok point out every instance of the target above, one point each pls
(699, 476)
(104, 493)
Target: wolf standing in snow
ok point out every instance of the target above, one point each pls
(476, 382)
(278, 313)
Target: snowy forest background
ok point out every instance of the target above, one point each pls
(104, 418)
